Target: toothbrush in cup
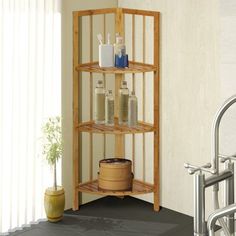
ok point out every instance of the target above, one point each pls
(106, 52)
(108, 38)
(99, 37)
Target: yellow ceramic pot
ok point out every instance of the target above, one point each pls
(54, 203)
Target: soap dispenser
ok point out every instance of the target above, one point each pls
(121, 58)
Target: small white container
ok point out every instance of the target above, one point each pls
(106, 55)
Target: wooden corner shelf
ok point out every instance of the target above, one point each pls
(134, 67)
(139, 187)
(145, 48)
(91, 127)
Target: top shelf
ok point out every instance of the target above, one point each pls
(134, 67)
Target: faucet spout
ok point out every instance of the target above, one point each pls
(215, 133)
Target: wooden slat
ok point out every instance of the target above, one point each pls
(76, 151)
(104, 81)
(91, 100)
(124, 28)
(119, 21)
(139, 12)
(91, 127)
(133, 87)
(142, 124)
(113, 10)
(104, 26)
(144, 96)
(133, 49)
(138, 187)
(134, 67)
(119, 138)
(140, 182)
(156, 116)
(95, 12)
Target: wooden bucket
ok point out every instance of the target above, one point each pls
(115, 174)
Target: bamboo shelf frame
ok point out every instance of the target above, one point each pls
(139, 186)
(134, 67)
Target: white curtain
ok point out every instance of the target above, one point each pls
(30, 78)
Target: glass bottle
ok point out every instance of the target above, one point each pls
(99, 103)
(123, 103)
(133, 110)
(109, 108)
(119, 46)
(121, 59)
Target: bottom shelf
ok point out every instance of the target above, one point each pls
(139, 187)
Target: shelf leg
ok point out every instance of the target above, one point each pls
(156, 115)
(76, 201)
(76, 110)
(119, 139)
(156, 173)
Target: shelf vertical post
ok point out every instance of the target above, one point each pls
(104, 81)
(91, 98)
(133, 88)
(156, 114)
(144, 97)
(76, 151)
(119, 138)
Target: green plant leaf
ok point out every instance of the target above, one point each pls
(52, 140)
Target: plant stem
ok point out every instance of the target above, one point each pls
(55, 176)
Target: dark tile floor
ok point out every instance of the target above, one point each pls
(121, 213)
(134, 209)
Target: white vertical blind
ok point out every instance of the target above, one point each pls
(30, 88)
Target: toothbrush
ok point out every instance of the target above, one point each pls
(99, 37)
(108, 38)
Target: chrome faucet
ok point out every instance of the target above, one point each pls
(201, 227)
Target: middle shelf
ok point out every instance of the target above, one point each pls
(91, 127)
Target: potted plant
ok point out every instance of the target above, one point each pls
(54, 198)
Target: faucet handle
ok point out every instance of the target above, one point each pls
(224, 158)
(193, 169)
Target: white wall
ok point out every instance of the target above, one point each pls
(228, 72)
(67, 7)
(190, 88)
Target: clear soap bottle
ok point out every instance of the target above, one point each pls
(123, 103)
(99, 103)
(109, 108)
(119, 46)
(133, 110)
(121, 58)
